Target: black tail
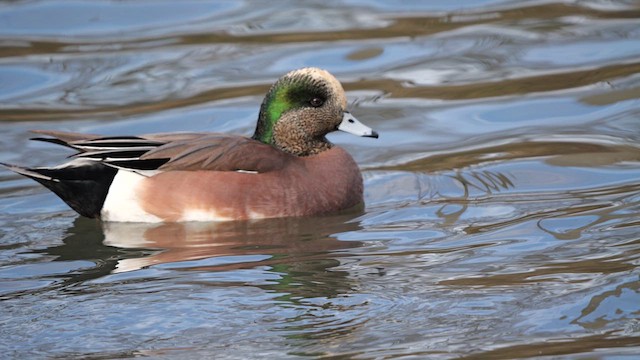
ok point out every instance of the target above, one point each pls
(82, 185)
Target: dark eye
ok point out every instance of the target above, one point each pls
(316, 102)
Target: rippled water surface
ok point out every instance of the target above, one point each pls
(502, 198)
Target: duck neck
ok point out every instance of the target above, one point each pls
(293, 137)
(290, 133)
(267, 118)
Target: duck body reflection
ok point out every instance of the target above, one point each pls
(300, 250)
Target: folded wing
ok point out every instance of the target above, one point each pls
(173, 152)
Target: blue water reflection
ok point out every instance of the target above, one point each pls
(502, 197)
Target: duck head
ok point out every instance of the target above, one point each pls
(301, 108)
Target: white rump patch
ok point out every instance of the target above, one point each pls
(122, 203)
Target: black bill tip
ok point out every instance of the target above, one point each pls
(374, 134)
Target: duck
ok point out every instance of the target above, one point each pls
(288, 168)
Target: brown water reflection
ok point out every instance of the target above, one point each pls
(394, 89)
(531, 79)
(585, 346)
(557, 153)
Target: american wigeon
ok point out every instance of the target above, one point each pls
(287, 168)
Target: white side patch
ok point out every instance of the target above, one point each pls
(211, 215)
(202, 215)
(122, 204)
(256, 215)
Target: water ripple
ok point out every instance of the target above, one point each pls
(502, 197)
